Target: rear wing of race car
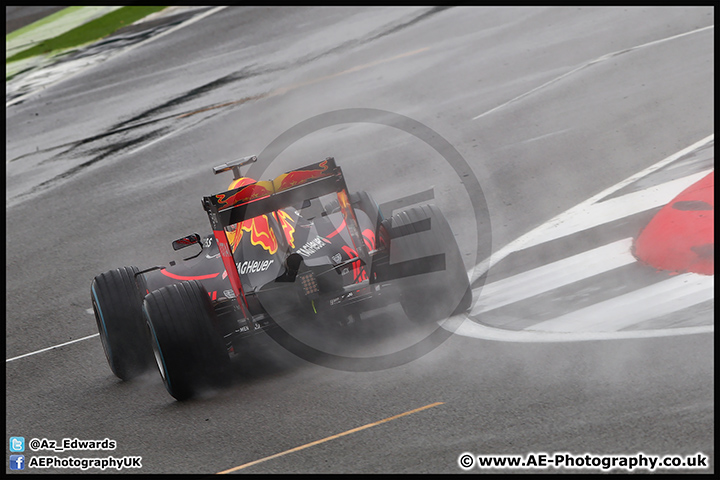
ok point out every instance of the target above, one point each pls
(263, 197)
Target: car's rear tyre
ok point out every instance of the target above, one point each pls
(422, 233)
(189, 352)
(117, 298)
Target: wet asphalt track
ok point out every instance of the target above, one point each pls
(123, 152)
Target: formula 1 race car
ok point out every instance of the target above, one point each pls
(298, 248)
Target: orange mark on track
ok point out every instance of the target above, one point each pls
(332, 437)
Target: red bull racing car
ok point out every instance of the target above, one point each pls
(298, 248)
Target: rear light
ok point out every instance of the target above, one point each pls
(308, 282)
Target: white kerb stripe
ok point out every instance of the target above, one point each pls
(616, 208)
(554, 275)
(672, 295)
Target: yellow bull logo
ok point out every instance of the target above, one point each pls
(261, 233)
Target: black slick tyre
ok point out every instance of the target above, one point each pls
(117, 298)
(189, 352)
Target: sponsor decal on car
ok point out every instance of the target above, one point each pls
(287, 224)
(253, 266)
(359, 272)
(312, 246)
(261, 233)
(301, 175)
(244, 194)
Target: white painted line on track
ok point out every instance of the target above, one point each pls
(522, 241)
(545, 136)
(653, 301)
(608, 211)
(590, 63)
(554, 275)
(51, 348)
(469, 328)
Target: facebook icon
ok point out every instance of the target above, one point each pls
(17, 462)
